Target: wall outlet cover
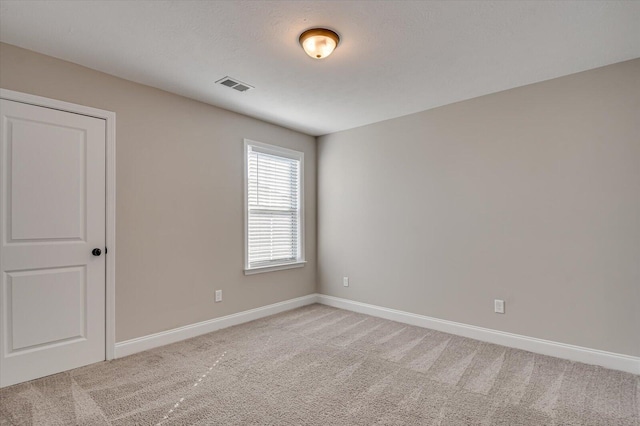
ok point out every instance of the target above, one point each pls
(498, 306)
(218, 295)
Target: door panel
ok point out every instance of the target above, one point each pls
(37, 302)
(41, 208)
(52, 215)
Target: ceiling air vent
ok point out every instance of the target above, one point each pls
(234, 84)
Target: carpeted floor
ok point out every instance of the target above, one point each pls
(323, 366)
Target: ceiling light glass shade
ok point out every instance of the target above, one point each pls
(319, 42)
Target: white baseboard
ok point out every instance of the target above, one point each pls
(627, 363)
(151, 341)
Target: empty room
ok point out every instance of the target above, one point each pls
(319, 213)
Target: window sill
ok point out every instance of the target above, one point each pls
(280, 267)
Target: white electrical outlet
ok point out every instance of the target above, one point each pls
(345, 281)
(498, 306)
(218, 295)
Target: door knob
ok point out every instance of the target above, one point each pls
(96, 252)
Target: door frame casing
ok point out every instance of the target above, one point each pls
(110, 197)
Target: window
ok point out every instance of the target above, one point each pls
(274, 200)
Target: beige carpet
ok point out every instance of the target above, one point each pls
(324, 366)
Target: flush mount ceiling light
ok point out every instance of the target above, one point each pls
(319, 42)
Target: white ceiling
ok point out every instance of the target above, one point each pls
(395, 57)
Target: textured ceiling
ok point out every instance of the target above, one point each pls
(395, 58)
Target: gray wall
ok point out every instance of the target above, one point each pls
(531, 195)
(179, 196)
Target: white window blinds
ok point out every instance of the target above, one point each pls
(273, 204)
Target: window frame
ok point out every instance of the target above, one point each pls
(280, 152)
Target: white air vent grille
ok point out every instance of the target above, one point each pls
(234, 84)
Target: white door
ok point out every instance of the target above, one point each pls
(52, 216)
